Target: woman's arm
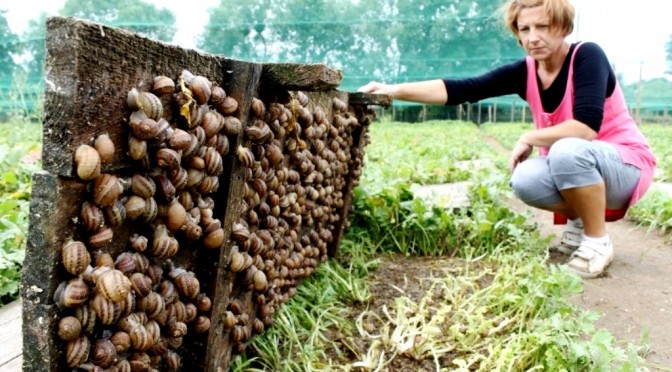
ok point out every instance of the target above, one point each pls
(429, 91)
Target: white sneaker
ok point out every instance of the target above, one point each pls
(591, 258)
(570, 242)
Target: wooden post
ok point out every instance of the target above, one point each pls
(479, 113)
(523, 114)
(513, 109)
(494, 112)
(468, 111)
(460, 112)
(490, 113)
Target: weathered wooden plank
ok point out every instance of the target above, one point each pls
(39, 276)
(14, 365)
(90, 69)
(242, 85)
(10, 313)
(294, 76)
(359, 98)
(11, 344)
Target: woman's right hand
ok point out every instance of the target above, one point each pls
(379, 88)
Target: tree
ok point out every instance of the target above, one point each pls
(8, 46)
(133, 15)
(393, 40)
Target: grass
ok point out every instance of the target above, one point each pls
(19, 140)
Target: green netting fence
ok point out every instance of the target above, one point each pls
(385, 40)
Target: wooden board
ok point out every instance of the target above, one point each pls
(10, 328)
(89, 70)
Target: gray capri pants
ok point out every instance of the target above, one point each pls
(570, 163)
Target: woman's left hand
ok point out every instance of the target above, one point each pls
(521, 151)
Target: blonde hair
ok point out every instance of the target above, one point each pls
(560, 12)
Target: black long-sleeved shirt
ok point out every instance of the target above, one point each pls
(594, 81)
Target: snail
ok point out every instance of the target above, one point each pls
(75, 257)
(88, 162)
(72, 293)
(69, 328)
(105, 148)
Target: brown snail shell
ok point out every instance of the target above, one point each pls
(147, 102)
(177, 310)
(176, 216)
(214, 239)
(138, 242)
(180, 140)
(125, 263)
(239, 334)
(163, 85)
(134, 207)
(75, 257)
(236, 306)
(92, 216)
(229, 320)
(103, 353)
(106, 190)
(121, 341)
(105, 147)
(237, 262)
(217, 95)
(107, 312)
(179, 177)
(145, 129)
(114, 285)
(209, 185)
(213, 162)
(186, 283)
(257, 326)
(141, 340)
(165, 191)
(201, 88)
(203, 303)
(232, 125)
(100, 238)
(86, 317)
(168, 159)
(77, 351)
(168, 292)
(258, 108)
(73, 293)
(192, 230)
(245, 156)
(115, 214)
(176, 329)
(69, 328)
(201, 324)
(151, 210)
(88, 162)
(141, 284)
(142, 186)
(228, 106)
(259, 280)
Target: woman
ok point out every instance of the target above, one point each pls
(594, 162)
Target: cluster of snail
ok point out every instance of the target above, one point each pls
(297, 163)
(133, 311)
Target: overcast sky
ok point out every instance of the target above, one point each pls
(632, 33)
